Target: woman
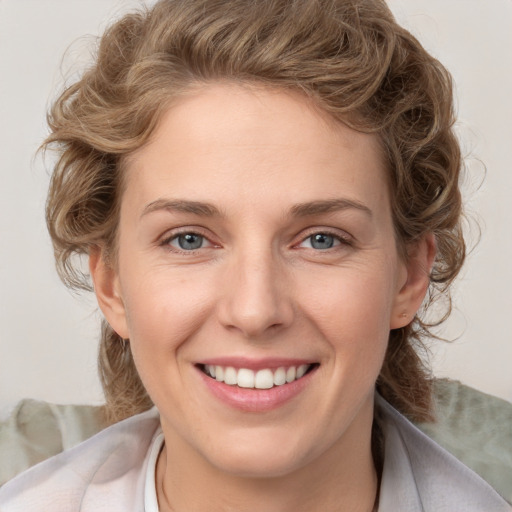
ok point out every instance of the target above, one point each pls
(266, 192)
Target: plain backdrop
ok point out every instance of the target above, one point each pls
(48, 337)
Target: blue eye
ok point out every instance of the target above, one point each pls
(187, 241)
(321, 241)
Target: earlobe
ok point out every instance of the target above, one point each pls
(416, 281)
(108, 293)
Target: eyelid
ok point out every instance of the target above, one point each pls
(205, 243)
(342, 236)
(168, 236)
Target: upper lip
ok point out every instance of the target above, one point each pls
(255, 364)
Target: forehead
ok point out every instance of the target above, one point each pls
(225, 142)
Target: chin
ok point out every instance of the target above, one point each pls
(255, 458)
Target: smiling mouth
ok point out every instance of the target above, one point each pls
(265, 378)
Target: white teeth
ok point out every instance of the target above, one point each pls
(291, 374)
(262, 379)
(230, 376)
(301, 370)
(245, 378)
(280, 377)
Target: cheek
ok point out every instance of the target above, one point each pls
(163, 314)
(163, 309)
(352, 312)
(350, 303)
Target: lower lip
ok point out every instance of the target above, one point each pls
(256, 400)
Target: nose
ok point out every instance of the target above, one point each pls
(256, 299)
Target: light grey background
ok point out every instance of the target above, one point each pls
(48, 338)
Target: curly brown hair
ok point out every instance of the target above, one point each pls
(348, 56)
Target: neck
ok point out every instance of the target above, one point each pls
(283, 494)
(343, 479)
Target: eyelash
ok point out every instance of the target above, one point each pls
(343, 240)
(166, 242)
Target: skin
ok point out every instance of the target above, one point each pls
(257, 288)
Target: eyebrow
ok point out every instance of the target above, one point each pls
(180, 205)
(299, 210)
(328, 206)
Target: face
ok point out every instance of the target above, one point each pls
(257, 279)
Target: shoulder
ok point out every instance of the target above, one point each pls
(419, 475)
(101, 473)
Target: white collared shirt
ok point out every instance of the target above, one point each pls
(150, 495)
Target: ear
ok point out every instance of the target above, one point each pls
(415, 281)
(108, 293)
